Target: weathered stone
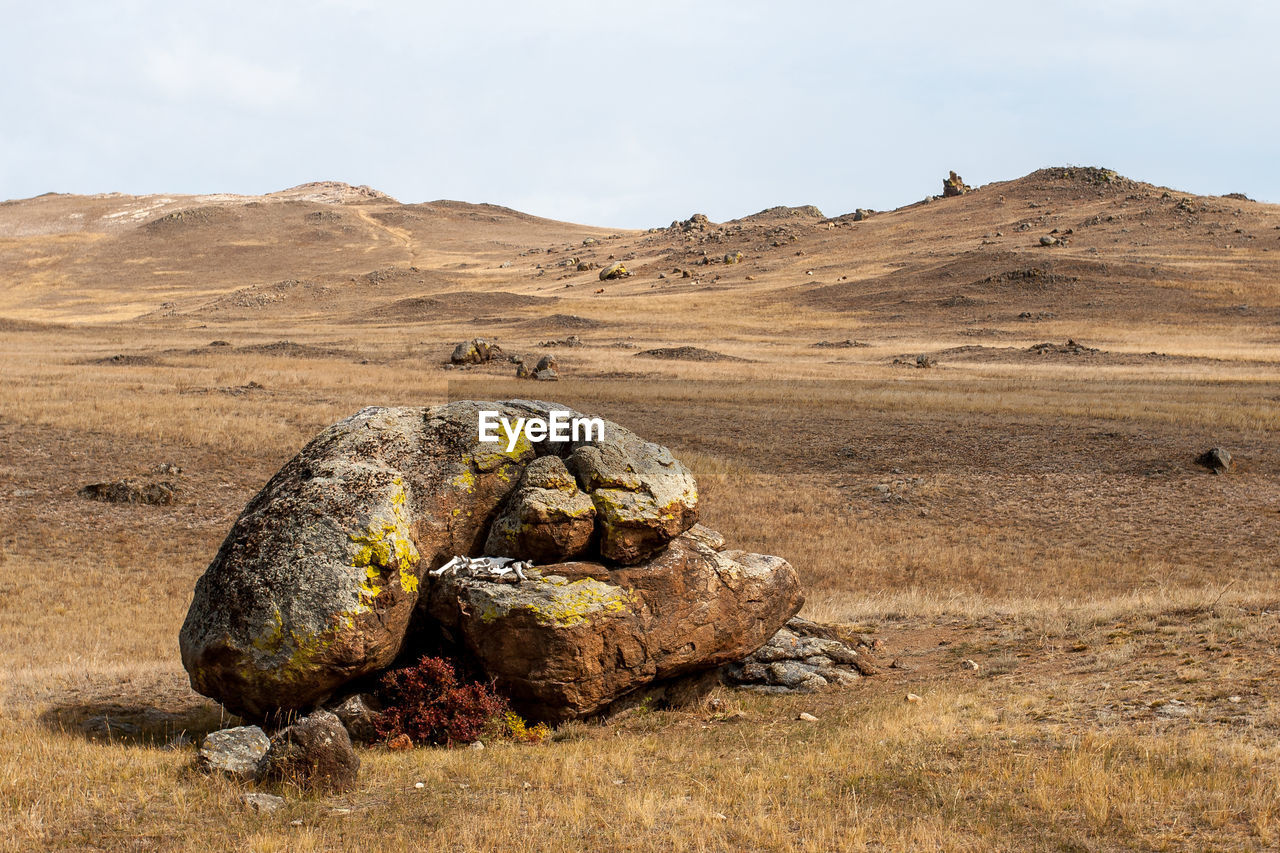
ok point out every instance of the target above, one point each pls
(548, 519)
(475, 351)
(802, 656)
(711, 538)
(239, 752)
(790, 673)
(358, 713)
(1216, 459)
(317, 581)
(562, 648)
(546, 375)
(643, 496)
(314, 753)
(953, 185)
(616, 270)
(547, 362)
(256, 801)
(160, 493)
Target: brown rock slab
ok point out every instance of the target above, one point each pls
(563, 649)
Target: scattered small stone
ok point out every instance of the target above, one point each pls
(1234, 700)
(1047, 240)
(970, 664)
(127, 491)
(571, 341)
(914, 699)
(256, 801)
(807, 717)
(1216, 459)
(419, 785)
(1171, 708)
(477, 745)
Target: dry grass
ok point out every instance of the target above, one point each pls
(1042, 518)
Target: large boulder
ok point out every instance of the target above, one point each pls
(318, 580)
(577, 636)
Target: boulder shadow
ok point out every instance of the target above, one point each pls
(139, 724)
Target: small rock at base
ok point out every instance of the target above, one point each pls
(807, 717)
(914, 699)
(314, 753)
(238, 752)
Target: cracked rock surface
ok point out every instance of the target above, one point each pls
(801, 657)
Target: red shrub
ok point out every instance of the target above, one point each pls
(427, 703)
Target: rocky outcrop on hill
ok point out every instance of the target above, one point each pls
(351, 547)
(954, 185)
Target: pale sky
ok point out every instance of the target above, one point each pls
(634, 114)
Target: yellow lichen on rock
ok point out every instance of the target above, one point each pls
(495, 454)
(574, 601)
(301, 650)
(385, 544)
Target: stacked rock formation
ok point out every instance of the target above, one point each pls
(332, 565)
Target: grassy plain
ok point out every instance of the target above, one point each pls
(1036, 512)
